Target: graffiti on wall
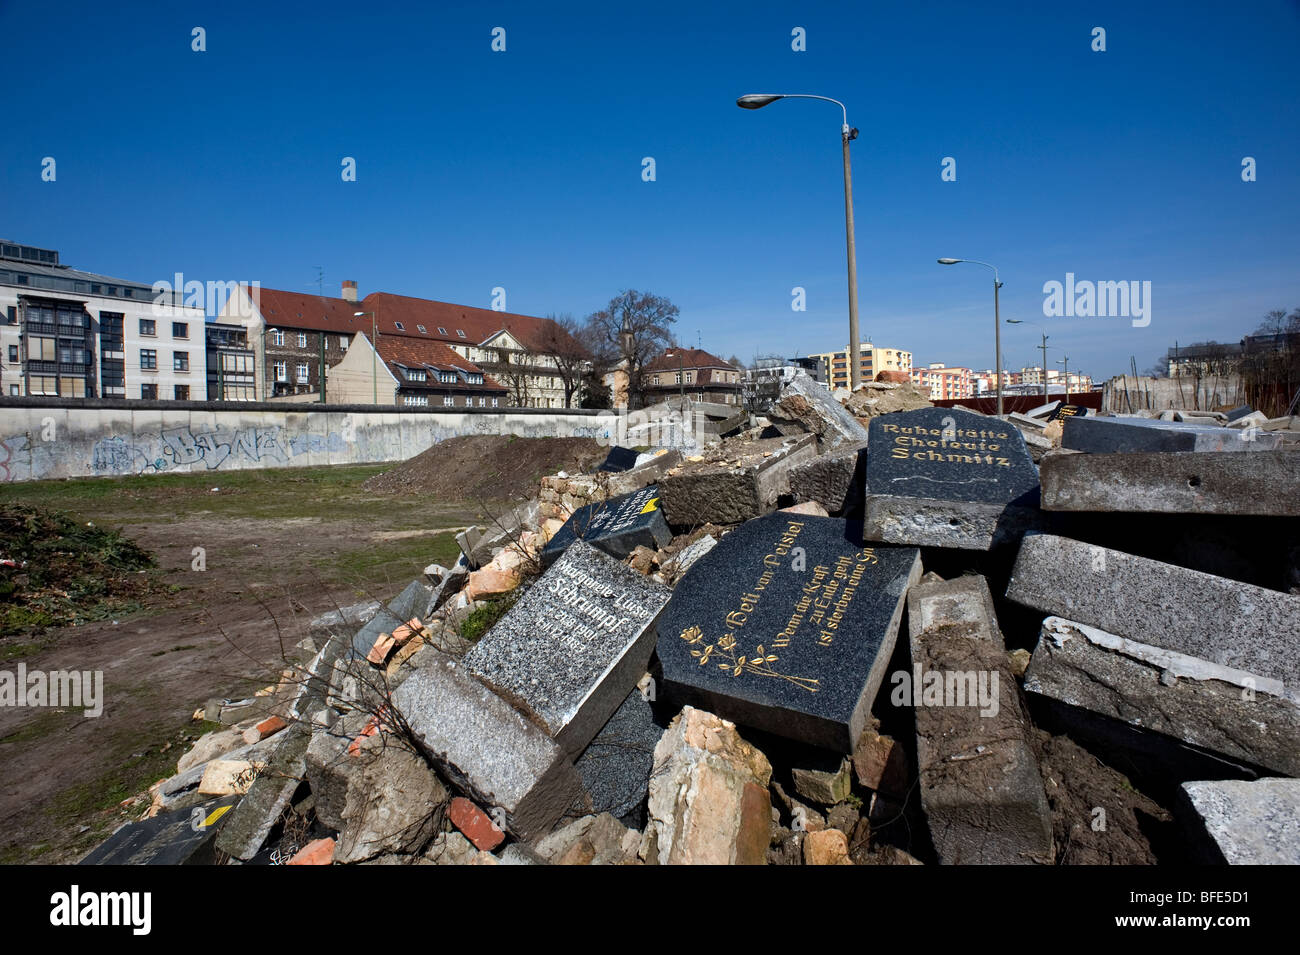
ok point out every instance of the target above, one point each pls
(25, 457)
(184, 448)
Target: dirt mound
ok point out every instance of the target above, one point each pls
(54, 571)
(487, 467)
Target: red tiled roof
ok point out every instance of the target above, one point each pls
(689, 358)
(442, 321)
(413, 353)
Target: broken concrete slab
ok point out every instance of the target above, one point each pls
(787, 626)
(981, 788)
(487, 748)
(268, 797)
(733, 482)
(941, 477)
(834, 480)
(574, 645)
(1253, 822)
(809, 404)
(963, 605)
(1208, 482)
(393, 802)
(1240, 716)
(478, 544)
(598, 839)
(1224, 621)
(709, 803)
(1098, 435)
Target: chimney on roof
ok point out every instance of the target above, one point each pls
(349, 290)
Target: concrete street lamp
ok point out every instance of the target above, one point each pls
(997, 322)
(847, 135)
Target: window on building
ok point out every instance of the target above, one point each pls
(422, 330)
(13, 352)
(415, 375)
(182, 392)
(149, 391)
(11, 314)
(482, 401)
(460, 332)
(180, 361)
(180, 330)
(655, 379)
(148, 327)
(277, 337)
(302, 371)
(148, 359)
(495, 402)
(281, 371)
(448, 401)
(13, 389)
(302, 339)
(343, 342)
(399, 326)
(418, 400)
(442, 331)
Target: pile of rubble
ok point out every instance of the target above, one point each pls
(860, 630)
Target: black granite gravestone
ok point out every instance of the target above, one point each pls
(787, 626)
(574, 645)
(941, 477)
(617, 526)
(183, 837)
(619, 459)
(1067, 411)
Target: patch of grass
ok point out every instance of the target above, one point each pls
(20, 651)
(397, 560)
(482, 618)
(45, 723)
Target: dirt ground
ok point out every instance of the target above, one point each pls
(488, 467)
(278, 548)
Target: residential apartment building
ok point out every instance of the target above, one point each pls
(694, 373)
(294, 335)
(871, 359)
(412, 373)
(74, 334)
(230, 363)
(944, 383)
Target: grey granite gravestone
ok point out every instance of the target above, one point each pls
(617, 526)
(487, 748)
(942, 477)
(1121, 435)
(571, 649)
(787, 626)
(615, 768)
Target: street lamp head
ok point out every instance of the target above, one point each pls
(357, 314)
(1015, 321)
(949, 261)
(757, 100)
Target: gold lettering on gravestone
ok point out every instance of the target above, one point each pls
(823, 601)
(954, 445)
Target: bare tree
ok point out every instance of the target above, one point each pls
(560, 340)
(649, 317)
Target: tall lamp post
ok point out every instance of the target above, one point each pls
(1042, 347)
(1066, 363)
(997, 322)
(374, 359)
(847, 135)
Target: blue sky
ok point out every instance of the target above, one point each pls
(523, 169)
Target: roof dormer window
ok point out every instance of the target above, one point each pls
(422, 330)
(399, 326)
